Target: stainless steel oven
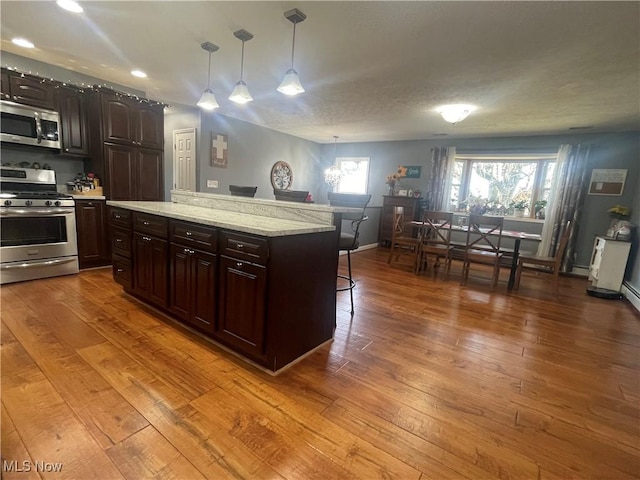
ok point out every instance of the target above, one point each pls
(37, 227)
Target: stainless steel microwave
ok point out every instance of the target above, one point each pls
(28, 125)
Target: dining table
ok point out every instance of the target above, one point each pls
(516, 235)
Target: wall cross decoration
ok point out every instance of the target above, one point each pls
(219, 150)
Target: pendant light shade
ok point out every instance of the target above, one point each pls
(291, 83)
(208, 100)
(240, 92)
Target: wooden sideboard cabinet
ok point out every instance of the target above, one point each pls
(412, 211)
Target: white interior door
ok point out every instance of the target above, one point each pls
(184, 159)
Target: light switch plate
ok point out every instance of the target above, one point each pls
(212, 183)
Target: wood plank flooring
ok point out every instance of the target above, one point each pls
(429, 380)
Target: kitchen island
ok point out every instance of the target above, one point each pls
(257, 277)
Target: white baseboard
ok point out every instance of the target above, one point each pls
(363, 247)
(632, 295)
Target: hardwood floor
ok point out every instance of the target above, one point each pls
(430, 380)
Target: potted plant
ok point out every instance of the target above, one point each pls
(518, 207)
(538, 209)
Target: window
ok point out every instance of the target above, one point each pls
(355, 174)
(500, 184)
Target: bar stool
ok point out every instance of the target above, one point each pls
(350, 241)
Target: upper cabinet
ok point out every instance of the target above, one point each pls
(131, 122)
(73, 117)
(6, 88)
(30, 91)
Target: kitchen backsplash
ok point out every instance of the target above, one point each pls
(66, 168)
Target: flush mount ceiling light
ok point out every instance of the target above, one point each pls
(22, 42)
(291, 83)
(208, 100)
(455, 113)
(138, 73)
(240, 92)
(70, 5)
(333, 174)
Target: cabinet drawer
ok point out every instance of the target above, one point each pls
(122, 271)
(151, 224)
(121, 242)
(193, 235)
(244, 247)
(119, 217)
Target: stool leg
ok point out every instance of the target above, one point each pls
(351, 284)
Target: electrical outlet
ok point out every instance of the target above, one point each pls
(212, 183)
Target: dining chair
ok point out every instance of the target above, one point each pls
(484, 235)
(242, 191)
(544, 264)
(291, 195)
(403, 243)
(436, 239)
(350, 240)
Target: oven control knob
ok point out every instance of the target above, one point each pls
(48, 203)
(7, 202)
(57, 203)
(28, 203)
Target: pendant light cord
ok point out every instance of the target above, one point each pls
(293, 44)
(209, 74)
(242, 63)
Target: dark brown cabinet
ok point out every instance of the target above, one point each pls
(93, 247)
(32, 91)
(121, 248)
(133, 173)
(150, 256)
(242, 311)
(412, 211)
(131, 122)
(192, 286)
(73, 117)
(127, 137)
(4, 85)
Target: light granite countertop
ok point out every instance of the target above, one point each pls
(241, 222)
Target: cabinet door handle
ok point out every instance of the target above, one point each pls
(119, 270)
(188, 234)
(239, 264)
(192, 252)
(239, 246)
(118, 240)
(186, 250)
(145, 223)
(146, 239)
(117, 217)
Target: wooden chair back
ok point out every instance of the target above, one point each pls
(484, 233)
(437, 228)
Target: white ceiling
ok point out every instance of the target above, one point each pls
(372, 70)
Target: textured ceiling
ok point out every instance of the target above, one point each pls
(372, 70)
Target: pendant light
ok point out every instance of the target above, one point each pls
(240, 92)
(291, 83)
(333, 174)
(208, 100)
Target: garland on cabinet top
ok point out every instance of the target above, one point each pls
(85, 86)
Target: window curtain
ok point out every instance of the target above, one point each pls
(565, 202)
(437, 195)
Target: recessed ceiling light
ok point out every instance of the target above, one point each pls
(23, 42)
(70, 5)
(138, 73)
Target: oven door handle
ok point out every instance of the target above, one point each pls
(30, 212)
(37, 263)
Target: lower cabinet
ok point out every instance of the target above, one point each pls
(150, 279)
(91, 227)
(242, 311)
(192, 286)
